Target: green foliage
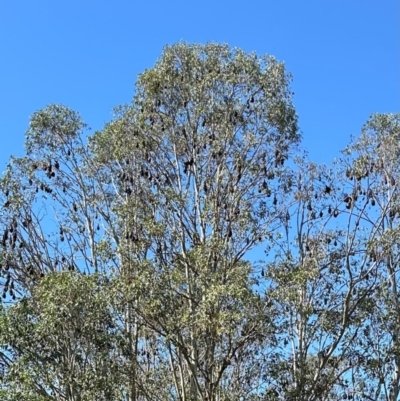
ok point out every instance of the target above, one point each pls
(126, 260)
(52, 127)
(61, 341)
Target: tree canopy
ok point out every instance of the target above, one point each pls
(127, 255)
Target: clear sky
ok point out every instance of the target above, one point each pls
(344, 56)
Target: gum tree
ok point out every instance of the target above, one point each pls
(334, 277)
(373, 163)
(200, 158)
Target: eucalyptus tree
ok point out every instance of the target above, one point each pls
(334, 277)
(200, 158)
(372, 162)
(54, 219)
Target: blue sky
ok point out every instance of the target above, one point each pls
(344, 56)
